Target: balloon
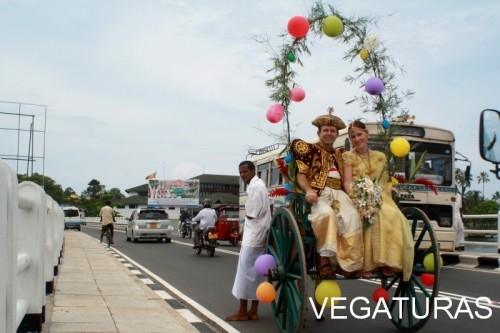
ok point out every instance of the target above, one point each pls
(400, 147)
(297, 94)
(291, 57)
(374, 86)
(429, 262)
(264, 263)
(288, 158)
(332, 26)
(363, 54)
(275, 113)
(298, 26)
(265, 292)
(288, 187)
(327, 289)
(386, 124)
(380, 293)
(427, 279)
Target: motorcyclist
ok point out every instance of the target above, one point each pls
(184, 219)
(206, 218)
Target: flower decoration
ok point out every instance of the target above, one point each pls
(366, 196)
(371, 42)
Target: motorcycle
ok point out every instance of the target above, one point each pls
(186, 228)
(208, 240)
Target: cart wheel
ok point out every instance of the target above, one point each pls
(419, 297)
(289, 277)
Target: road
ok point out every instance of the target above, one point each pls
(204, 284)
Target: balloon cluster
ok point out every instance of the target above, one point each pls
(265, 292)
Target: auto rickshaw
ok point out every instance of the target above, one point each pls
(228, 223)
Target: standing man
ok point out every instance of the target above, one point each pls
(107, 215)
(458, 222)
(334, 219)
(253, 245)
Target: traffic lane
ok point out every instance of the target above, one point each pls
(471, 282)
(212, 289)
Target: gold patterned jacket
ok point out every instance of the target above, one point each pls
(314, 160)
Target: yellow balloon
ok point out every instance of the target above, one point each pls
(429, 262)
(400, 147)
(363, 54)
(327, 289)
(333, 26)
(266, 292)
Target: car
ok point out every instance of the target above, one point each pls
(148, 224)
(72, 218)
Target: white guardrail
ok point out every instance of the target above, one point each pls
(472, 232)
(31, 243)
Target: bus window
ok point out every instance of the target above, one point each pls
(276, 177)
(262, 172)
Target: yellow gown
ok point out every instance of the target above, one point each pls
(388, 241)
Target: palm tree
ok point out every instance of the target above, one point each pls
(483, 178)
(496, 196)
(462, 183)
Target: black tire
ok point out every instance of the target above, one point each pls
(168, 240)
(211, 251)
(416, 293)
(197, 250)
(127, 238)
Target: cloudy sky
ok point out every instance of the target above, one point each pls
(129, 87)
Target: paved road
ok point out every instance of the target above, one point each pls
(203, 284)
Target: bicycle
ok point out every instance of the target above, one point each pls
(108, 231)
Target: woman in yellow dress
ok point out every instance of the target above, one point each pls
(388, 242)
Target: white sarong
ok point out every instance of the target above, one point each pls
(247, 279)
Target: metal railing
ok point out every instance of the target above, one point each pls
(484, 232)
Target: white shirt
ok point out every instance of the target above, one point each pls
(207, 218)
(258, 207)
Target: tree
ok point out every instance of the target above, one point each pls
(483, 178)
(496, 197)
(49, 185)
(94, 190)
(462, 182)
(116, 194)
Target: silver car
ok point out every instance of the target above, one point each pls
(149, 223)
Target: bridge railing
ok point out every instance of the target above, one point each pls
(31, 242)
(475, 232)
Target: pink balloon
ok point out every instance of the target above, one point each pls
(275, 113)
(297, 94)
(298, 26)
(374, 86)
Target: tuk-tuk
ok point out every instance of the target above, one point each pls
(228, 223)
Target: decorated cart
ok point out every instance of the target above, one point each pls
(292, 244)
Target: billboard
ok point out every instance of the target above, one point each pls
(174, 193)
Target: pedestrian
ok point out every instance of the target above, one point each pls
(334, 219)
(458, 222)
(107, 218)
(253, 244)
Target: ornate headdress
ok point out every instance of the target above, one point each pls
(329, 120)
(356, 125)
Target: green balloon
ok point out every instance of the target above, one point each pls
(291, 57)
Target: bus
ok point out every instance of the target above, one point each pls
(437, 145)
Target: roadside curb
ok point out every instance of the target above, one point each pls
(471, 261)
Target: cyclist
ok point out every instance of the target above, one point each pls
(107, 215)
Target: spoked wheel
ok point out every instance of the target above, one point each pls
(412, 313)
(289, 277)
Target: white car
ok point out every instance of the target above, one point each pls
(149, 223)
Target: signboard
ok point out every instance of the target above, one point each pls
(174, 193)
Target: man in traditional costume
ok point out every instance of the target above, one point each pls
(334, 219)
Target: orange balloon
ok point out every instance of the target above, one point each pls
(266, 292)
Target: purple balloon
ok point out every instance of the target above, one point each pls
(264, 263)
(374, 86)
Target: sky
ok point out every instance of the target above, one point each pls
(124, 88)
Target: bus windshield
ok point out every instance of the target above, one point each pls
(437, 166)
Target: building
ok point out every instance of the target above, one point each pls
(216, 188)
